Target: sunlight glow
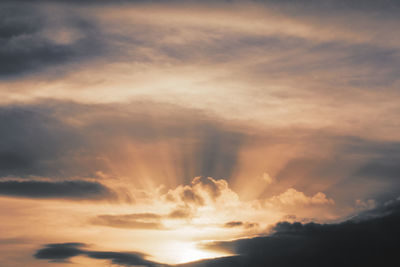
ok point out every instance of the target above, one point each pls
(183, 252)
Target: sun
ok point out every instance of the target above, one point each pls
(183, 252)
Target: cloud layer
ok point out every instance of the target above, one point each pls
(63, 189)
(64, 251)
(206, 120)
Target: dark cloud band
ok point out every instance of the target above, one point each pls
(64, 251)
(61, 190)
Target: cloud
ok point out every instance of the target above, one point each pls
(367, 240)
(207, 197)
(69, 139)
(363, 241)
(33, 39)
(233, 224)
(202, 191)
(294, 197)
(74, 190)
(130, 221)
(150, 221)
(120, 258)
(381, 169)
(64, 251)
(73, 140)
(267, 178)
(60, 252)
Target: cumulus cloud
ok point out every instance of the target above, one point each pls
(202, 191)
(294, 197)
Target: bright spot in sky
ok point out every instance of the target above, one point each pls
(182, 252)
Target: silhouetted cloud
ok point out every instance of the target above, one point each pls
(121, 258)
(60, 252)
(369, 239)
(63, 252)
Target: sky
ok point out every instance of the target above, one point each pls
(199, 133)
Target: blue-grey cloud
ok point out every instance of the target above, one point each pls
(39, 140)
(63, 252)
(31, 40)
(53, 139)
(55, 189)
(60, 252)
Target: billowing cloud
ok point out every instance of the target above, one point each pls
(293, 197)
(203, 191)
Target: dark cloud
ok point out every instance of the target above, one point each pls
(60, 140)
(60, 252)
(56, 189)
(126, 259)
(34, 142)
(64, 251)
(367, 240)
(65, 139)
(381, 169)
(339, 4)
(342, 4)
(32, 40)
